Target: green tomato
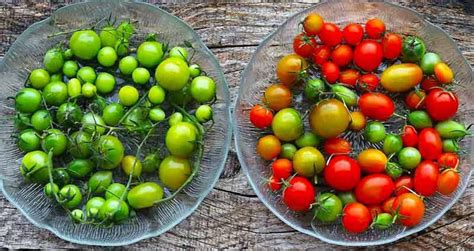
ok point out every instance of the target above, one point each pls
(308, 139)
(85, 44)
(57, 77)
(151, 163)
(27, 100)
(71, 195)
(383, 221)
(181, 96)
(34, 167)
(450, 146)
(329, 207)
(67, 54)
(203, 113)
(203, 89)
(68, 114)
(392, 144)
(345, 94)
(121, 47)
(113, 113)
(287, 124)
(108, 36)
(29, 140)
(93, 206)
(409, 158)
(53, 60)
(125, 29)
(308, 161)
(107, 56)
(393, 170)
(115, 210)
(50, 189)
(89, 90)
(156, 95)
(74, 88)
(181, 139)
(127, 65)
(87, 74)
(150, 53)
(116, 190)
(429, 61)
(128, 95)
(179, 52)
(313, 89)
(99, 181)
(105, 83)
(55, 141)
(77, 215)
(174, 172)
(144, 195)
(93, 123)
(55, 93)
(70, 68)
(137, 120)
(39, 78)
(41, 120)
(80, 144)
(61, 177)
(141, 76)
(172, 74)
(194, 70)
(80, 168)
(175, 118)
(157, 114)
(413, 49)
(288, 150)
(420, 119)
(131, 165)
(22, 121)
(111, 152)
(374, 132)
(450, 129)
(347, 197)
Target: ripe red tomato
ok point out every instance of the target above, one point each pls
(375, 210)
(368, 55)
(430, 144)
(356, 217)
(409, 136)
(282, 168)
(415, 99)
(448, 181)
(349, 77)
(261, 117)
(274, 184)
(376, 106)
(428, 83)
(304, 45)
(368, 82)
(373, 189)
(374, 28)
(387, 205)
(403, 185)
(342, 55)
(353, 34)
(342, 173)
(337, 146)
(321, 54)
(426, 178)
(330, 71)
(448, 160)
(441, 105)
(330, 34)
(410, 208)
(299, 195)
(392, 46)
(312, 24)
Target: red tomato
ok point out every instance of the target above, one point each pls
(304, 45)
(410, 208)
(342, 55)
(282, 168)
(373, 189)
(441, 105)
(299, 195)
(330, 34)
(387, 205)
(349, 77)
(312, 24)
(409, 136)
(392, 46)
(321, 54)
(368, 82)
(403, 185)
(375, 210)
(426, 178)
(337, 146)
(356, 217)
(430, 144)
(376, 106)
(448, 181)
(415, 99)
(330, 71)
(353, 34)
(448, 160)
(374, 28)
(261, 117)
(274, 184)
(342, 173)
(428, 83)
(368, 55)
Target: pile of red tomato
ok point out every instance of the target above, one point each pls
(353, 79)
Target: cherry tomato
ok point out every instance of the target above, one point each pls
(426, 178)
(373, 189)
(337, 146)
(342, 55)
(358, 121)
(368, 55)
(368, 82)
(448, 160)
(304, 45)
(330, 71)
(409, 136)
(448, 181)
(268, 147)
(415, 99)
(330, 34)
(282, 169)
(410, 208)
(428, 83)
(392, 46)
(443, 73)
(353, 34)
(374, 28)
(375, 210)
(349, 77)
(376, 106)
(403, 185)
(274, 184)
(372, 161)
(356, 217)
(277, 97)
(299, 195)
(342, 173)
(289, 67)
(321, 54)
(261, 117)
(387, 205)
(430, 144)
(312, 24)
(441, 105)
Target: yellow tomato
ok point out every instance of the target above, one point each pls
(443, 73)
(358, 121)
(372, 161)
(401, 77)
(329, 118)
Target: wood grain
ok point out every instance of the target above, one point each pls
(232, 216)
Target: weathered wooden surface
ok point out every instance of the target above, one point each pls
(232, 216)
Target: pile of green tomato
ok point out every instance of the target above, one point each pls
(92, 122)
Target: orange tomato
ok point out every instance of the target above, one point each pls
(268, 147)
(443, 73)
(312, 24)
(277, 97)
(358, 121)
(372, 161)
(448, 181)
(289, 67)
(410, 209)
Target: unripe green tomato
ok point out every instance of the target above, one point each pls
(428, 62)
(179, 52)
(113, 113)
(108, 36)
(156, 95)
(149, 53)
(128, 64)
(194, 70)
(374, 132)
(174, 172)
(392, 144)
(29, 140)
(288, 150)
(203, 89)
(80, 168)
(77, 215)
(50, 189)
(393, 170)
(55, 93)
(450, 146)
(409, 158)
(121, 47)
(105, 83)
(41, 120)
(347, 197)
(383, 221)
(116, 190)
(151, 163)
(87, 74)
(128, 95)
(156, 114)
(28, 100)
(99, 181)
(74, 88)
(144, 195)
(204, 113)
(53, 60)
(141, 76)
(55, 141)
(420, 119)
(107, 56)
(89, 90)
(308, 139)
(70, 68)
(72, 196)
(39, 78)
(175, 118)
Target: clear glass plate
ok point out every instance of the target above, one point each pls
(27, 53)
(260, 73)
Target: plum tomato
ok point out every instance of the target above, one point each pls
(443, 73)
(450, 129)
(274, 184)
(409, 136)
(287, 124)
(368, 82)
(277, 97)
(330, 71)
(308, 161)
(401, 77)
(342, 55)
(353, 34)
(342, 173)
(387, 205)
(430, 144)
(304, 45)
(403, 185)
(428, 83)
(441, 105)
(448, 181)
(330, 34)
(448, 160)
(372, 161)
(321, 54)
(392, 46)
(415, 99)
(410, 208)
(337, 146)
(312, 24)
(282, 169)
(420, 119)
(376, 106)
(356, 217)
(373, 189)
(268, 147)
(349, 77)
(358, 121)
(368, 55)
(335, 115)
(261, 117)
(289, 67)
(374, 28)
(299, 195)
(426, 178)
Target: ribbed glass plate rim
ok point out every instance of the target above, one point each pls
(254, 185)
(227, 140)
